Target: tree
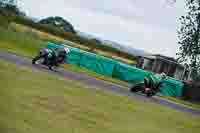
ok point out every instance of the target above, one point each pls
(189, 35)
(4, 3)
(9, 8)
(59, 23)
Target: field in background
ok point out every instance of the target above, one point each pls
(52, 104)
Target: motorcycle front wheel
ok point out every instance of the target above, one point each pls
(38, 60)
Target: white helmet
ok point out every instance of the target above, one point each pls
(67, 50)
(163, 75)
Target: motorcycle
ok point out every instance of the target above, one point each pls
(141, 87)
(42, 58)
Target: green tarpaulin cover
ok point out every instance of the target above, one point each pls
(116, 69)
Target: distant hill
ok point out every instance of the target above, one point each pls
(120, 47)
(128, 49)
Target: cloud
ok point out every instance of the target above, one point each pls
(145, 24)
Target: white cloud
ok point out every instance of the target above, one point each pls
(145, 24)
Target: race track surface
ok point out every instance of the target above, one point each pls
(98, 84)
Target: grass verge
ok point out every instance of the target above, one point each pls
(52, 104)
(180, 101)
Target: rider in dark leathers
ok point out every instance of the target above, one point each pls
(153, 82)
(52, 57)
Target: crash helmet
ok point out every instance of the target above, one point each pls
(163, 75)
(66, 50)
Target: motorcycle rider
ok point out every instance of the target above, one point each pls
(151, 83)
(52, 57)
(154, 81)
(57, 57)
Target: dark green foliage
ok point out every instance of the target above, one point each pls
(189, 35)
(9, 8)
(8, 12)
(7, 2)
(59, 23)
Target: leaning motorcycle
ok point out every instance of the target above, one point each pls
(140, 87)
(43, 59)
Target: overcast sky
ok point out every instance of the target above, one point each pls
(144, 24)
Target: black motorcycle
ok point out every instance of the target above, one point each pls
(148, 90)
(50, 62)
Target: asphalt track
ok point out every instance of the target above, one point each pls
(97, 84)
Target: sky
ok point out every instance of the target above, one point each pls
(150, 25)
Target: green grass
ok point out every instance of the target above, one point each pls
(180, 101)
(3, 21)
(36, 102)
(19, 43)
(96, 75)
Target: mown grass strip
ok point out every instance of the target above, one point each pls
(33, 101)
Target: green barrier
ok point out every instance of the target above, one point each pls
(172, 87)
(91, 61)
(98, 64)
(116, 69)
(128, 73)
(88, 60)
